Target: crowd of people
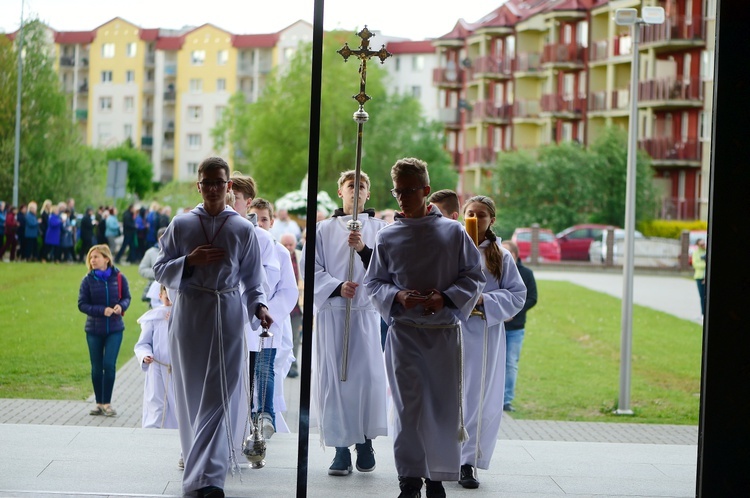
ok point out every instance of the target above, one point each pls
(413, 311)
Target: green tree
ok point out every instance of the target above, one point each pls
(54, 164)
(563, 184)
(140, 169)
(269, 138)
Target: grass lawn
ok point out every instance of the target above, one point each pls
(569, 367)
(43, 352)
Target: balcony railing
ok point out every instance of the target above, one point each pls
(492, 66)
(675, 28)
(598, 50)
(676, 208)
(563, 103)
(528, 62)
(671, 89)
(620, 99)
(526, 109)
(569, 53)
(623, 45)
(487, 109)
(666, 149)
(477, 155)
(448, 77)
(147, 142)
(170, 96)
(82, 114)
(449, 115)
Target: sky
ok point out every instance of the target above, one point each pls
(411, 19)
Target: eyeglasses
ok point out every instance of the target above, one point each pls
(213, 185)
(398, 192)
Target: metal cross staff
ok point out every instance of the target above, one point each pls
(360, 117)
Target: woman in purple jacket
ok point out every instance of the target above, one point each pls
(104, 296)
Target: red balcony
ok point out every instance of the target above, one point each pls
(675, 208)
(675, 28)
(671, 89)
(563, 53)
(668, 149)
(528, 62)
(480, 155)
(448, 77)
(489, 110)
(492, 66)
(563, 103)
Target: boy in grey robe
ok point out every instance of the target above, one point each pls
(207, 256)
(424, 277)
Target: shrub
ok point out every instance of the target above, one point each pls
(670, 229)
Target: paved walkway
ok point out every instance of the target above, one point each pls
(58, 449)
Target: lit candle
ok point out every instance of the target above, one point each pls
(471, 229)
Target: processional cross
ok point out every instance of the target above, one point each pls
(363, 53)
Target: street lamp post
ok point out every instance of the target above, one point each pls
(17, 145)
(629, 17)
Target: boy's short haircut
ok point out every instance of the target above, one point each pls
(244, 184)
(411, 166)
(230, 198)
(213, 163)
(351, 175)
(261, 203)
(448, 199)
(512, 247)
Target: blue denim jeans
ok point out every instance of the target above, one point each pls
(103, 351)
(513, 343)
(702, 294)
(262, 364)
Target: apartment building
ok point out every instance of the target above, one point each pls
(166, 89)
(535, 72)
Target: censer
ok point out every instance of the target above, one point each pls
(254, 445)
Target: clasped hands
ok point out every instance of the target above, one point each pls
(114, 310)
(431, 300)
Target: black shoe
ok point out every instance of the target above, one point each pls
(211, 492)
(293, 374)
(507, 407)
(342, 463)
(410, 487)
(468, 477)
(365, 456)
(435, 489)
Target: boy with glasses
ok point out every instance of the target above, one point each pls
(210, 261)
(425, 276)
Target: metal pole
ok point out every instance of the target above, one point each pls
(626, 338)
(17, 147)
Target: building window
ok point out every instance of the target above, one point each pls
(128, 132)
(194, 112)
(194, 141)
(196, 85)
(219, 112)
(130, 49)
(288, 53)
(192, 168)
(130, 76)
(704, 126)
(105, 103)
(129, 103)
(416, 91)
(197, 57)
(707, 65)
(417, 62)
(150, 75)
(108, 50)
(398, 63)
(221, 85)
(106, 76)
(222, 57)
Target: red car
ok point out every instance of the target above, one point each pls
(575, 241)
(549, 249)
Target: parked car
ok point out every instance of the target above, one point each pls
(575, 241)
(549, 249)
(649, 251)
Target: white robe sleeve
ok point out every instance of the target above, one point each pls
(325, 282)
(378, 281)
(144, 346)
(285, 295)
(503, 303)
(170, 264)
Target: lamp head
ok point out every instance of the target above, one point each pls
(626, 17)
(653, 15)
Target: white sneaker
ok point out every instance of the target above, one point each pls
(266, 425)
(181, 464)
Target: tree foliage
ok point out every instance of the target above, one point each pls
(140, 169)
(269, 138)
(563, 184)
(54, 164)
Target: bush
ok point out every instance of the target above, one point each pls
(670, 229)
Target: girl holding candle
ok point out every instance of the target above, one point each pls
(484, 341)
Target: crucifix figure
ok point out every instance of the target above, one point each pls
(363, 53)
